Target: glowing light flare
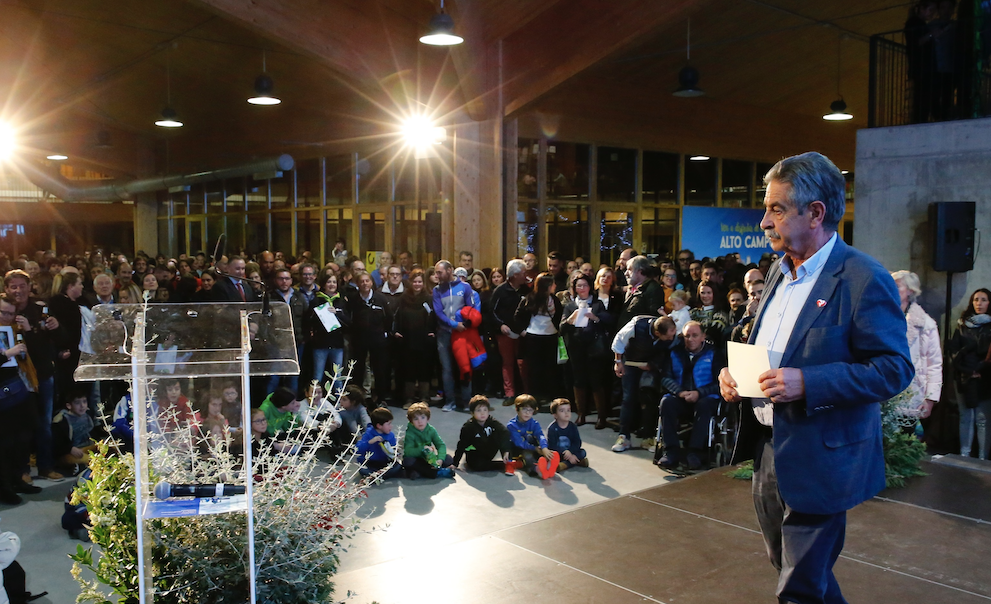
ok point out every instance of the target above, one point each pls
(57, 157)
(8, 140)
(419, 131)
(699, 158)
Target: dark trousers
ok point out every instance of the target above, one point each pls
(378, 353)
(629, 413)
(673, 408)
(802, 547)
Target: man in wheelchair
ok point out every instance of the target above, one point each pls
(691, 383)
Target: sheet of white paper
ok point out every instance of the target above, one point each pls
(327, 317)
(582, 319)
(746, 363)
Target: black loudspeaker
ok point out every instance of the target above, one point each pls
(951, 224)
(434, 238)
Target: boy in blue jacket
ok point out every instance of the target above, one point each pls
(563, 436)
(528, 446)
(377, 446)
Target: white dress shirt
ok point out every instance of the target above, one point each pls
(781, 312)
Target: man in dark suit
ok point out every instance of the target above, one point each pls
(831, 321)
(232, 288)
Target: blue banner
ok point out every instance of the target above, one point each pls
(719, 231)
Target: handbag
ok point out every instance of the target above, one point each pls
(562, 351)
(12, 392)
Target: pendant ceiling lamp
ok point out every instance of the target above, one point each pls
(837, 109)
(688, 77)
(441, 30)
(263, 88)
(169, 118)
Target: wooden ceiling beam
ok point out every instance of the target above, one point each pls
(364, 42)
(571, 37)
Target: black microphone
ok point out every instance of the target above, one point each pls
(164, 490)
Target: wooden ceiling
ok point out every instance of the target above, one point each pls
(347, 70)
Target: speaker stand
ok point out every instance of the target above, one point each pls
(946, 316)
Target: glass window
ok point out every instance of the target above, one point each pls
(339, 190)
(308, 228)
(567, 230)
(164, 238)
(338, 227)
(257, 194)
(617, 174)
(282, 193)
(410, 232)
(235, 233)
(164, 201)
(214, 192)
(256, 233)
(526, 156)
(214, 228)
(658, 230)
(660, 177)
(567, 170)
(615, 235)
(196, 198)
(736, 183)
(282, 232)
(372, 235)
(419, 179)
(235, 192)
(849, 187)
(374, 179)
(700, 182)
(179, 203)
(526, 228)
(179, 232)
(308, 185)
(762, 169)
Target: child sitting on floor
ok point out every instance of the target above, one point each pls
(354, 415)
(482, 438)
(424, 452)
(377, 448)
(528, 448)
(563, 436)
(71, 432)
(260, 437)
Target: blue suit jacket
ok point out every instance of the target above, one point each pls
(849, 341)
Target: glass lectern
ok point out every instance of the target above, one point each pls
(190, 369)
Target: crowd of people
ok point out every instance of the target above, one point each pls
(646, 335)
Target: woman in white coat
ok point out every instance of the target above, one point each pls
(923, 344)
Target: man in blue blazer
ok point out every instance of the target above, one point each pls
(831, 321)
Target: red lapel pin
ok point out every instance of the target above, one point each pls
(820, 302)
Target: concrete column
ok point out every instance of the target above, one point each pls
(477, 204)
(146, 223)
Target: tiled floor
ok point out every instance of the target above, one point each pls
(620, 531)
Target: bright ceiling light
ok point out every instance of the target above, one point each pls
(699, 158)
(8, 140)
(57, 157)
(263, 88)
(169, 119)
(837, 112)
(419, 131)
(441, 30)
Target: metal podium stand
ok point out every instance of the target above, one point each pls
(143, 344)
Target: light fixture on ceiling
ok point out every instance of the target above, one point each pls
(699, 158)
(263, 88)
(57, 157)
(688, 77)
(170, 119)
(441, 30)
(837, 109)
(419, 132)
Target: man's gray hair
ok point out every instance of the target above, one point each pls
(103, 276)
(812, 177)
(684, 328)
(515, 267)
(638, 264)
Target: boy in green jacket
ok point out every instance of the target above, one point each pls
(424, 453)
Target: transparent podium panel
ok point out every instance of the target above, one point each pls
(190, 368)
(190, 340)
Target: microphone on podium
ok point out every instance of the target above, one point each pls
(164, 490)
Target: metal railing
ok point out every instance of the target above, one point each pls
(909, 88)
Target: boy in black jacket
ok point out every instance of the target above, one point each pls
(481, 438)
